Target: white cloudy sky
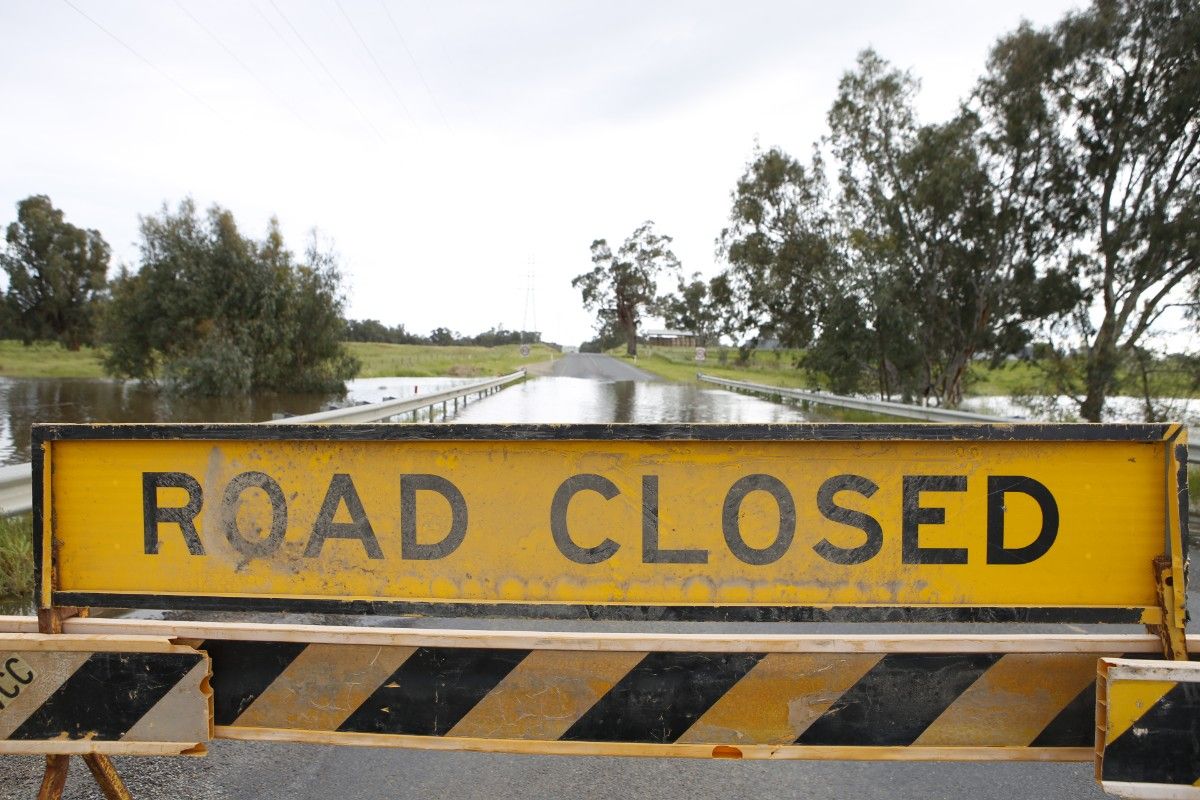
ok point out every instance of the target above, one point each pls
(447, 148)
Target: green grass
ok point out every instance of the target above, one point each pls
(52, 360)
(48, 360)
(774, 368)
(16, 557)
(422, 360)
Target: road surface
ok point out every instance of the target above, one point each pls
(598, 367)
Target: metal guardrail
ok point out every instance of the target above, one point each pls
(887, 407)
(374, 412)
(16, 480)
(925, 413)
(16, 489)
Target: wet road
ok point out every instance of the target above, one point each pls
(598, 367)
(587, 388)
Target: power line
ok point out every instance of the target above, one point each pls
(283, 38)
(162, 73)
(328, 74)
(241, 63)
(375, 61)
(416, 66)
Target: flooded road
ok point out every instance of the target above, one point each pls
(554, 399)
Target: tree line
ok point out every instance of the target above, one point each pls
(1055, 216)
(372, 330)
(208, 310)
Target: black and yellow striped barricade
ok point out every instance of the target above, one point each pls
(106, 694)
(1148, 728)
(760, 523)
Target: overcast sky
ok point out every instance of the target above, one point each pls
(447, 149)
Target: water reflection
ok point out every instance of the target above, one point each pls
(582, 400)
(24, 401)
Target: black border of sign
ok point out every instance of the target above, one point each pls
(1149, 433)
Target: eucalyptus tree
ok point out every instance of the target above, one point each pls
(949, 265)
(621, 286)
(1122, 80)
(782, 250)
(56, 274)
(693, 309)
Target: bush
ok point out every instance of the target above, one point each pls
(212, 312)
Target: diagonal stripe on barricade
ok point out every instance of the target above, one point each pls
(897, 699)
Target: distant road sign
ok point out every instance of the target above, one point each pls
(700, 353)
(524, 351)
(102, 694)
(801, 522)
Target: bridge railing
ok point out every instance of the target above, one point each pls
(869, 405)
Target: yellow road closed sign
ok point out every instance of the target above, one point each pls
(776, 522)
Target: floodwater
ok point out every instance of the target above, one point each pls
(551, 399)
(24, 401)
(582, 400)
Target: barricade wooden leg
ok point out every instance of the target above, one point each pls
(106, 777)
(50, 620)
(55, 777)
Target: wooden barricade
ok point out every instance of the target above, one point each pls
(777, 523)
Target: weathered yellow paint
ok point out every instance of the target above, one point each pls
(1013, 701)
(324, 684)
(544, 695)
(1110, 497)
(1128, 700)
(779, 698)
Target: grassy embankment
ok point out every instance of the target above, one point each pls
(48, 360)
(52, 360)
(16, 557)
(424, 360)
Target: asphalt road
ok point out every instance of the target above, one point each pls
(598, 367)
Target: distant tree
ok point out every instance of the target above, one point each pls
(621, 285)
(211, 311)
(692, 309)
(782, 248)
(372, 330)
(442, 336)
(56, 274)
(1121, 79)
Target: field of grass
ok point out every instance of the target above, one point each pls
(16, 557)
(48, 360)
(423, 360)
(775, 368)
(52, 360)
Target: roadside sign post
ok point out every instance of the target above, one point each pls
(843, 523)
